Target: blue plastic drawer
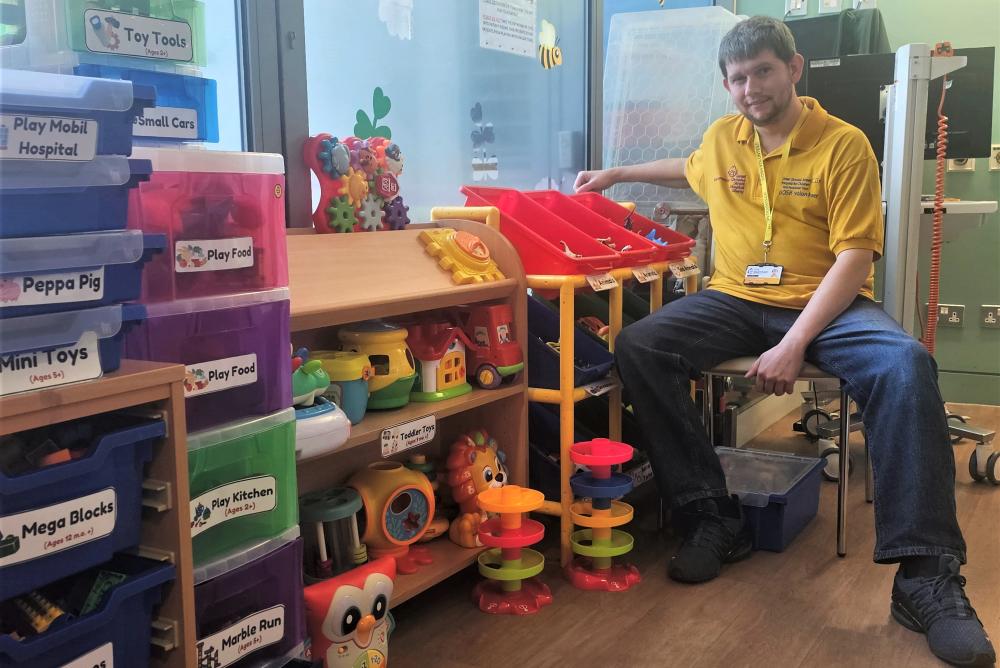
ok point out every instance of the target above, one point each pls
(69, 272)
(116, 633)
(42, 198)
(592, 359)
(187, 108)
(39, 351)
(47, 533)
(36, 105)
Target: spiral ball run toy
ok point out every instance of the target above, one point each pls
(510, 587)
(597, 544)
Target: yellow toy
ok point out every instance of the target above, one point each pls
(463, 254)
(475, 464)
(390, 357)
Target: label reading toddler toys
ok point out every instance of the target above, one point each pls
(213, 254)
(129, 35)
(55, 366)
(236, 499)
(408, 435)
(102, 657)
(45, 531)
(645, 274)
(172, 122)
(602, 282)
(47, 138)
(218, 375)
(52, 288)
(246, 636)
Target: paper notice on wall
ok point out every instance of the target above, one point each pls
(508, 26)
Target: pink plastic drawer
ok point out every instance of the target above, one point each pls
(224, 217)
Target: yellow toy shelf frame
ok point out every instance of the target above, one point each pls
(567, 396)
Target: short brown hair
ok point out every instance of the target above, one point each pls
(751, 36)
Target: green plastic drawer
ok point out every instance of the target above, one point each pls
(243, 485)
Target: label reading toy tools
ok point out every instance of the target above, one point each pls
(249, 496)
(246, 636)
(408, 435)
(123, 34)
(645, 274)
(599, 387)
(47, 138)
(685, 268)
(102, 657)
(44, 531)
(55, 366)
(80, 286)
(218, 375)
(602, 282)
(172, 122)
(213, 254)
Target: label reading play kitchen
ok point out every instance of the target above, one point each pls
(602, 282)
(213, 254)
(218, 375)
(129, 35)
(408, 435)
(47, 138)
(645, 274)
(102, 657)
(236, 499)
(55, 366)
(81, 286)
(44, 531)
(172, 122)
(246, 636)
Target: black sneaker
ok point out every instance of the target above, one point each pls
(937, 606)
(718, 535)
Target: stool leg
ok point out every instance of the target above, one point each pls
(845, 457)
(869, 482)
(709, 408)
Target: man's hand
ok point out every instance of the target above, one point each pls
(777, 369)
(594, 181)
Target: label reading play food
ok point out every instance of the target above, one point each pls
(408, 435)
(246, 636)
(684, 269)
(46, 368)
(172, 122)
(645, 274)
(80, 286)
(213, 254)
(102, 657)
(47, 138)
(218, 375)
(131, 35)
(44, 531)
(249, 496)
(602, 282)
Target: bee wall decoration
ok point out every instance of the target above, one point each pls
(549, 53)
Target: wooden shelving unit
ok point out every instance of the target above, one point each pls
(167, 533)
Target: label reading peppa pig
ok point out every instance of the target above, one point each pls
(36, 289)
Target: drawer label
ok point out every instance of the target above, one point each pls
(246, 636)
(602, 282)
(47, 368)
(44, 531)
(685, 268)
(408, 435)
(249, 496)
(123, 34)
(213, 254)
(102, 657)
(218, 375)
(47, 138)
(173, 122)
(30, 290)
(645, 274)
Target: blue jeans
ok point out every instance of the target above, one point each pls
(888, 373)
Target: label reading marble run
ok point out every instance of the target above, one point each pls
(213, 254)
(102, 657)
(172, 122)
(218, 375)
(246, 636)
(123, 34)
(47, 138)
(54, 366)
(81, 286)
(249, 496)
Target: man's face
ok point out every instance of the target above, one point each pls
(762, 87)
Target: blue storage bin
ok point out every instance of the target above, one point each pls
(592, 359)
(180, 100)
(46, 535)
(117, 633)
(74, 271)
(42, 197)
(46, 100)
(779, 492)
(50, 349)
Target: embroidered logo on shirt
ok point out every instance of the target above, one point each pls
(737, 182)
(792, 186)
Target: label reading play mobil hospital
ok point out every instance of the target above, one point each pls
(81, 286)
(102, 657)
(129, 35)
(55, 366)
(213, 254)
(44, 531)
(171, 122)
(47, 138)
(218, 375)
(246, 636)
(236, 499)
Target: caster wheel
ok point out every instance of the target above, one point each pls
(812, 421)
(993, 468)
(974, 468)
(955, 440)
(831, 470)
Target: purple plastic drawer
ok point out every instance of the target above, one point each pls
(235, 348)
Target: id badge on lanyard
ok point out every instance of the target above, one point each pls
(765, 273)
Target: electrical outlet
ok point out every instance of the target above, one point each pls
(989, 316)
(962, 165)
(951, 315)
(994, 159)
(829, 6)
(795, 8)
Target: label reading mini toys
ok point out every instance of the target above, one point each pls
(54, 366)
(25, 137)
(249, 496)
(123, 34)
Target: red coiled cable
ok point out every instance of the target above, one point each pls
(930, 336)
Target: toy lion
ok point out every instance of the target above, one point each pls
(475, 463)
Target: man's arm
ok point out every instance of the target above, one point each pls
(668, 172)
(777, 369)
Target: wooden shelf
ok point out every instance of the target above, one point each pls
(448, 560)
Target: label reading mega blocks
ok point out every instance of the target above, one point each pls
(82, 286)
(246, 636)
(47, 138)
(236, 499)
(102, 657)
(123, 34)
(171, 122)
(55, 366)
(218, 375)
(213, 254)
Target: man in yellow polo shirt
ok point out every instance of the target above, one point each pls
(793, 195)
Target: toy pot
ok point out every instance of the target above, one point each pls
(349, 376)
(390, 358)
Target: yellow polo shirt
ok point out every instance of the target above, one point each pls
(828, 201)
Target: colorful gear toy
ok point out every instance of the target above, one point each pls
(370, 214)
(395, 215)
(334, 157)
(341, 214)
(357, 187)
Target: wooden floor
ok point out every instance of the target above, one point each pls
(803, 607)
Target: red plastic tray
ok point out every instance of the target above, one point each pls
(678, 246)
